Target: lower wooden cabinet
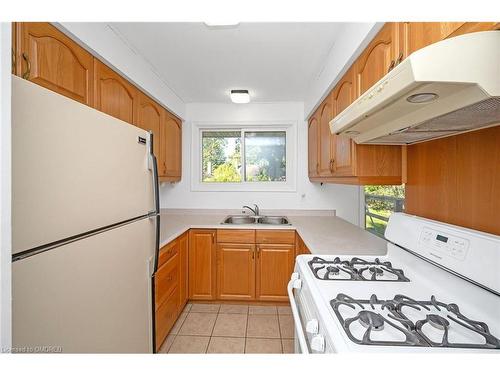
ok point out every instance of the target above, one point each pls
(300, 246)
(167, 303)
(165, 316)
(235, 272)
(202, 265)
(183, 269)
(274, 267)
(255, 266)
(166, 280)
(244, 265)
(170, 286)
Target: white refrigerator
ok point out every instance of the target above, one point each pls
(85, 227)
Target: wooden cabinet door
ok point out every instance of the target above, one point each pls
(47, 57)
(312, 146)
(183, 269)
(377, 58)
(165, 316)
(274, 267)
(202, 265)
(235, 272)
(325, 138)
(171, 148)
(421, 34)
(300, 246)
(114, 95)
(166, 280)
(149, 117)
(343, 147)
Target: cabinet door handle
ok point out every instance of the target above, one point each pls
(317, 168)
(213, 237)
(26, 74)
(391, 66)
(253, 253)
(400, 58)
(332, 161)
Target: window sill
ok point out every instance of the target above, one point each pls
(244, 186)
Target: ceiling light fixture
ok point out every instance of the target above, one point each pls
(221, 24)
(240, 96)
(424, 97)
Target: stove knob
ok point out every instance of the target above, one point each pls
(318, 344)
(312, 326)
(296, 282)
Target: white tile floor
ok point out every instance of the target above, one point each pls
(229, 328)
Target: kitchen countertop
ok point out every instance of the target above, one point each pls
(322, 231)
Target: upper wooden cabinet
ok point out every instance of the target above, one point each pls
(337, 159)
(421, 34)
(149, 116)
(312, 145)
(352, 163)
(325, 143)
(378, 58)
(235, 272)
(202, 264)
(114, 95)
(343, 147)
(170, 168)
(47, 57)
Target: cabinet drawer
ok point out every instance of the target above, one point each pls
(167, 252)
(166, 316)
(275, 236)
(246, 236)
(166, 279)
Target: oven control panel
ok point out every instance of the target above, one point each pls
(444, 243)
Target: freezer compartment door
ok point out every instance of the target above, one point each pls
(75, 169)
(90, 296)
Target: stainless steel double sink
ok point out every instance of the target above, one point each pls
(264, 220)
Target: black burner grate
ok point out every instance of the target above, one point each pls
(413, 331)
(355, 269)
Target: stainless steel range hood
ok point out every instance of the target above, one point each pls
(447, 88)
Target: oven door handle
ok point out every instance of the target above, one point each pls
(292, 284)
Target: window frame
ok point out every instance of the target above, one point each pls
(290, 129)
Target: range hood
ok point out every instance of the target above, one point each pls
(447, 88)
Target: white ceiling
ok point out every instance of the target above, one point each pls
(274, 61)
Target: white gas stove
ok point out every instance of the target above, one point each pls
(436, 289)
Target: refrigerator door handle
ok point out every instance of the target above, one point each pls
(156, 212)
(154, 163)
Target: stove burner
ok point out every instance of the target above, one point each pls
(354, 268)
(333, 270)
(376, 271)
(369, 319)
(377, 315)
(438, 321)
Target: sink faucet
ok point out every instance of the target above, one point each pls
(254, 210)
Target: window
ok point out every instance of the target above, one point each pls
(263, 157)
(245, 158)
(221, 156)
(380, 202)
